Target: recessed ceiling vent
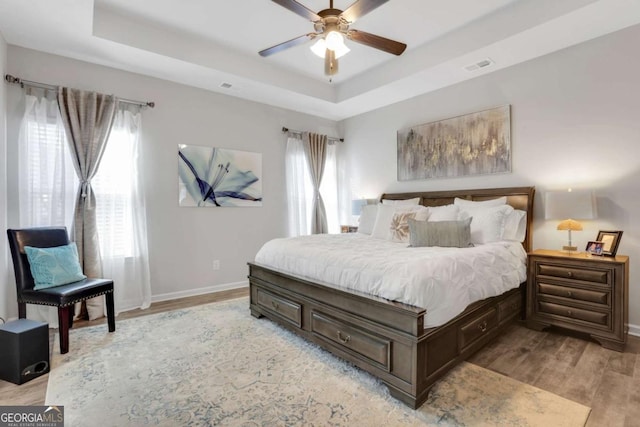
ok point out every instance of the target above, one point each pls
(226, 85)
(484, 63)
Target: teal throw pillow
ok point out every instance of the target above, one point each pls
(54, 266)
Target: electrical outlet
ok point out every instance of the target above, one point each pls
(216, 264)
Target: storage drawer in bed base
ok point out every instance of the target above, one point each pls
(407, 358)
(372, 348)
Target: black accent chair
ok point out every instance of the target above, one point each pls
(64, 296)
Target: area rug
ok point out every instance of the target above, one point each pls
(217, 365)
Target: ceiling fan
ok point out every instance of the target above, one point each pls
(331, 27)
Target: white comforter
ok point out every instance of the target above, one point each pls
(444, 281)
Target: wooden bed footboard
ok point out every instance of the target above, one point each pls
(385, 338)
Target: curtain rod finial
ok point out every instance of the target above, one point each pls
(10, 79)
(284, 129)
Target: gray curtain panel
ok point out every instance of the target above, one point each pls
(88, 118)
(315, 147)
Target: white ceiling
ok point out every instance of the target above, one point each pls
(205, 43)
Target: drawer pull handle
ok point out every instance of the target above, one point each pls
(569, 274)
(483, 326)
(569, 293)
(344, 339)
(569, 313)
(275, 305)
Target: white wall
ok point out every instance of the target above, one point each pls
(4, 273)
(575, 123)
(183, 242)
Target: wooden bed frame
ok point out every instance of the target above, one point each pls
(387, 338)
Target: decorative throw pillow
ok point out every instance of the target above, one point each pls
(447, 234)
(367, 219)
(400, 227)
(382, 227)
(405, 202)
(54, 266)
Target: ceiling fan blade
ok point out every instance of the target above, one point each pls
(371, 40)
(361, 8)
(286, 45)
(298, 9)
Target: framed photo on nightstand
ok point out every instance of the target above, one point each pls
(348, 228)
(610, 241)
(594, 248)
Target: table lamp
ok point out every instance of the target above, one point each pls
(357, 205)
(570, 206)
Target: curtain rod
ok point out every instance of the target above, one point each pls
(16, 80)
(299, 132)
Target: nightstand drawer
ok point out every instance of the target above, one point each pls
(574, 313)
(598, 297)
(596, 276)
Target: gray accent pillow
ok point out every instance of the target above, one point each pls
(447, 234)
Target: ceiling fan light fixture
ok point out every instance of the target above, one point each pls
(341, 50)
(330, 28)
(334, 40)
(320, 47)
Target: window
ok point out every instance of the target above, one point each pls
(114, 196)
(300, 189)
(48, 182)
(48, 190)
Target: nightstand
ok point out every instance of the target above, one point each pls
(348, 228)
(581, 292)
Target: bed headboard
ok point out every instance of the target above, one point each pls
(518, 197)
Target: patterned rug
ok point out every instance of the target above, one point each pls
(217, 365)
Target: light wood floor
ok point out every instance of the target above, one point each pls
(569, 366)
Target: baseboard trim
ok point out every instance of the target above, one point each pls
(634, 330)
(200, 291)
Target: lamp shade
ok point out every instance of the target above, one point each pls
(356, 206)
(576, 204)
(570, 224)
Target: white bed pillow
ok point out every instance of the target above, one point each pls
(462, 203)
(487, 223)
(405, 202)
(443, 213)
(367, 219)
(515, 226)
(389, 227)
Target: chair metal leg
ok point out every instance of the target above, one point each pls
(22, 310)
(111, 315)
(63, 325)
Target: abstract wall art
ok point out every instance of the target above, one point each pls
(472, 144)
(210, 177)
